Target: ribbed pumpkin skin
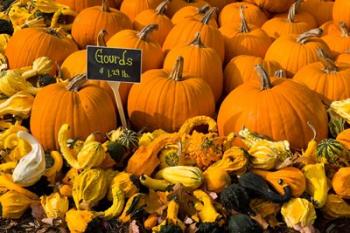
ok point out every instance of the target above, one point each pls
(201, 62)
(324, 10)
(219, 3)
(273, 5)
(92, 20)
(152, 54)
(30, 43)
(79, 5)
(133, 7)
(176, 5)
(242, 69)
(191, 12)
(344, 138)
(291, 55)
(343, 58)
(330, 27)
(280, 113)
(159, 102)
(341, 12)
(88, 110)
(252, 13)
(337, 43)
(76, 64)
(330, 85)
(279, 25)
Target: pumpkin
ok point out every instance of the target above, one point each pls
(294, 22)
(289, 176)
(192, 12)
(133, 7)
(92, 20)
(30, 43)
(273, 5)
(243, 39)
(324, 12)
(196, 59)
(79, 5)
(176, 5)
(341, 182)
(80, 105)
(253, 14)
(249, 105)
(293, 52)
(343, 58)
(241, 69)
(341, 12)
(329, 79)
(182, 34)
(219, 3)
(152, 54)
(338, 42)
(155, 16)
(344, 138)
(163, 112)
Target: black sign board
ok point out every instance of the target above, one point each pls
(114, 64)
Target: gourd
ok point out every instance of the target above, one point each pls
(235, 197)
(340, 108)
(172, 223)
(7, 183)
(286, 177)
(32, 166)
(341, 182)
(205, 207)
(78, 220)
(243, 224)
(256, 185)
(6, 27)
(4, 38)
(331, 151)
(216, 179)
(155, 184)
(19, 105)
(134, 204)
(118, 203)
(336, 207)
(14, 204)
(343, 137)
(262, 156)
(52, 172)
(55, 205)
(126, 182)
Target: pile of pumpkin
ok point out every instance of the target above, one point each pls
(277, 73)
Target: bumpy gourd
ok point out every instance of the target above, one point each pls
(331, 151)
(190, 177)
(12, 82)
(55, 205)
(133, 205)
(78, 220)
(19, 104)
(171, 219)
(263, 156)
(32, 166)
(216, 179)
(205, 207)
(40, 66)
(341, 182)
(191, 123)
(89, 187)
(336, 207)
(341, 108)
(126, 182)
(14, 204)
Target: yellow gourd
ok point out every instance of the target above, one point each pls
(14, 204)
(78, 220)
(55, 205)
(336, 207)
(298, 212)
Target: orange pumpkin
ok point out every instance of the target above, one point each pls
(176, 5)
(79, 5)
(84, 106)
(165, 100)
(278, 108)
(330, 27)
(343, 58)
(133, 7)
(196, 59)
(243, 39)
(324, 9)
(158, 17)
(341, 12)
(273, 5)
(253, 14)
(344, 138)
(330, 80)
(30, 43)
(182, 34)
(293, 52)
(295, 22)
(219, 3)
(92, 20)
(242, 69)
(338, 42)
(192, 12)
(152, 54)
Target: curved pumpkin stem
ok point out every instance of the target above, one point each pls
(306, 36)
(344, 29)
(76, 83)
(101, 38)
(162, 7)
(313, 129)
(176, 73)
(280, 73)
(264, 77)
(197, 41)
(203, 9)
(146, 30)
(244, 25)
(328, 63)
(293, 11)
(207, 16)
(105, 7)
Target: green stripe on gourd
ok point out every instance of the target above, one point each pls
(330, 151)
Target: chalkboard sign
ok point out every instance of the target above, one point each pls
(114, 64)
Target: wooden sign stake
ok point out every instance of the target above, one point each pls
(115, 87)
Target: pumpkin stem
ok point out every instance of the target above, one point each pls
(281, 73)
(105, 7)
(146, 30)
(328, 63)
(264, 77)
(313, 129)
(344, 29)
(197, 41)
(101, 40)
(203, 9)
(176, 73)
(76, 83)
(244, 24)
(293, 11)
(162, 7)
(207, 16)
(306, 36)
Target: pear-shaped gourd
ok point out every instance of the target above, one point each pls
(32, 166)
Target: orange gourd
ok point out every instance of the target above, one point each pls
(341, 182)
(165, 100)
(344, 138)
(251, 106)
(133, 7)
